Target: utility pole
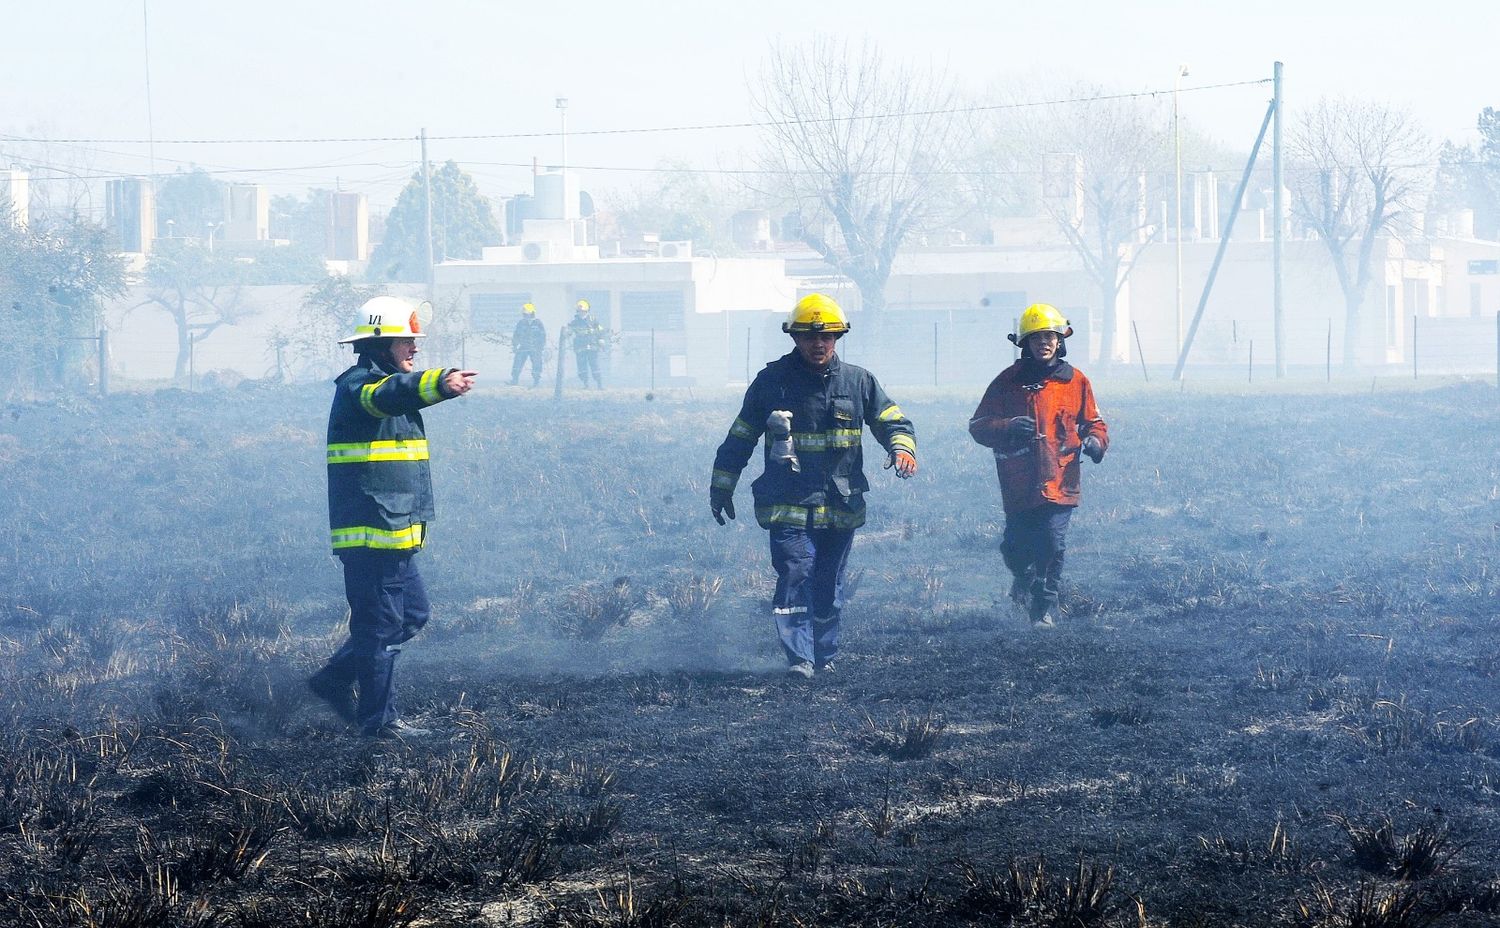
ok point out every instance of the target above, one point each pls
(427, 187)
(1278, 209)
(1182, 71)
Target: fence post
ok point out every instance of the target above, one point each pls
(1413, 346)
(192, 352)
(1497, 348)
(103, 362)
(562, 361)
(1250, 368)
(653, 360)
(1328, 354)
(1138, 352)
(934, 354)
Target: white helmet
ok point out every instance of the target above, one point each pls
(389, 317)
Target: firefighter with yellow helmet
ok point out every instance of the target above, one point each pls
(379, 506)
(1040, 420)
(811, 407)
(589, 340)
(528, 343)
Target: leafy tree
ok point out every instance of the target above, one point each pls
(1355, 178)
(199, 289)
(679, 205)
(54, 277)
(858, 146)
(462, 224)
(193, 201)
(302, 221)
(327, 311)
(286, 264)
(1469, 178)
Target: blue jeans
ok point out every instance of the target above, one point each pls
(388, 605)
(809, 590)
(1033, 547)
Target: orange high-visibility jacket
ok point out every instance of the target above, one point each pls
(1043, 467)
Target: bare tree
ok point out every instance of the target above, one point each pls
(1358, 174)
(858, 145)
(198, 289)
(1100, 162)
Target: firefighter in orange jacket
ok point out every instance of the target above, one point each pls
(1040, 419)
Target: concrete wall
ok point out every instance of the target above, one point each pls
(143, 339)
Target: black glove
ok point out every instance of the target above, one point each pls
(1094, 448)
(721, 503)
(1019, 429)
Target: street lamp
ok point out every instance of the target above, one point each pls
(1182, 71)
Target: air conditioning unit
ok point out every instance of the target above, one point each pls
(537, 251)
(675, 249)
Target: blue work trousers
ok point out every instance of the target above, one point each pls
(809, 590)
(387, 606)
(1033, 546)
(522, 356)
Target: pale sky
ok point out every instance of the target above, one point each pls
(278, 69)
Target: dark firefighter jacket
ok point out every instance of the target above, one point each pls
(379, 485)
(530, 334)
(828, 410)
(1044, 466)
(588, 335)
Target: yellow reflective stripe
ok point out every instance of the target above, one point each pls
(891, 412)
(367, 398)
(366, 536)
(823, 441)
(809, 516)
(427, 387)
(359, 452)
(742, 429)
(725, 480)
(904, 441)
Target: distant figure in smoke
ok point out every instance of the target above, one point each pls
(379, 504)
(528, 343)
(812, 408)
(589, 338)
(1040, 418)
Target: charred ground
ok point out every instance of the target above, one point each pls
(1275, 698)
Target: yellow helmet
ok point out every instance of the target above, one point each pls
(816, 313)
(1041, 317)
(528, 309)
(389, 317)
(582, 306)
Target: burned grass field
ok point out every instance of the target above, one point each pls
(1274, 698)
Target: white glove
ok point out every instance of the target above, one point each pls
(779, 424)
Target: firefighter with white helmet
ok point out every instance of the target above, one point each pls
(379, 505)
(1040, 419)
(812, 408)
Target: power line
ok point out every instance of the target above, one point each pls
(501, 136)
(62, 175)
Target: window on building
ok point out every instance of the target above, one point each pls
(645, 310)
(495, 312)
